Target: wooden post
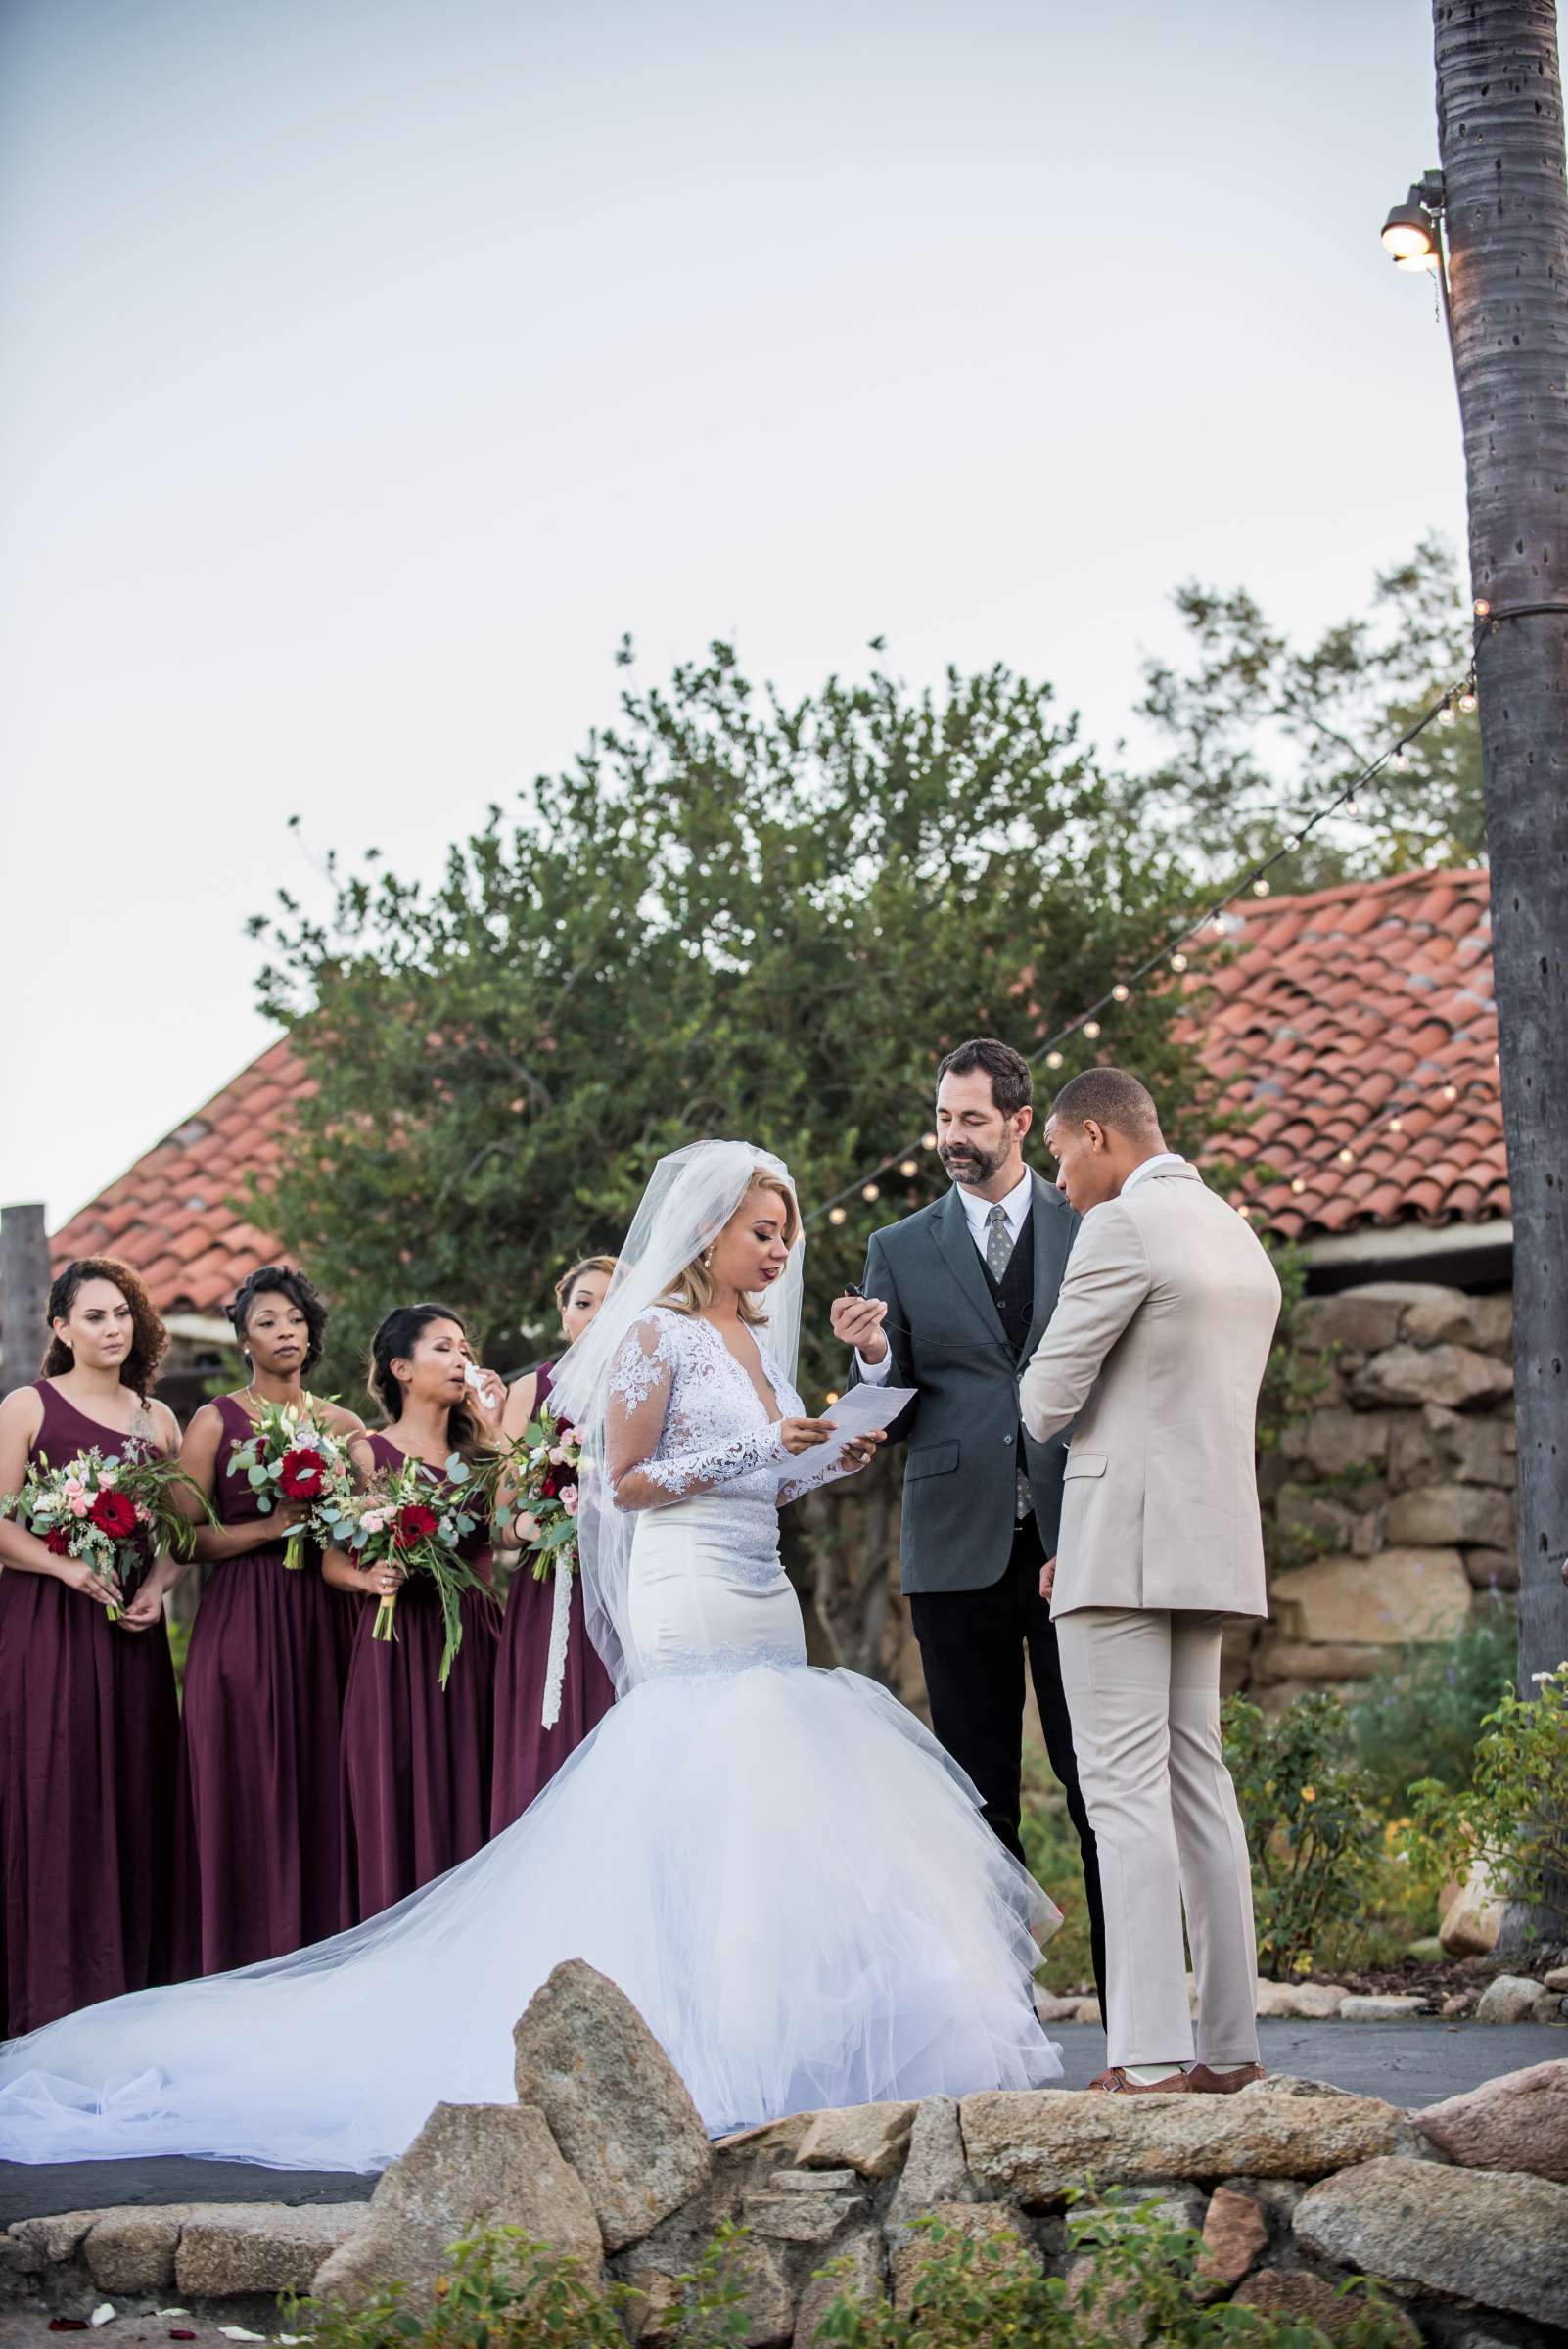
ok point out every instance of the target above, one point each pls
(23, 1294)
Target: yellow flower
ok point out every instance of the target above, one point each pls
(1309, 1794)
(1304, 1964)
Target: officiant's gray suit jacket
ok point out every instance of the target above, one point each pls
(960, 1477)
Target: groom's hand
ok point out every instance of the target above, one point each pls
(1047, 1578)
(857, 1323)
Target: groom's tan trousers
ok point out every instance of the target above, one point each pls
(1143, 1692)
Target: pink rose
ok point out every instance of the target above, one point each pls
(558, 1458)
(72, 1487)
(569, 1499)
(79, 1503)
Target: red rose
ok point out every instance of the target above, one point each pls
(114, 1515)
(301, 1476)
(551, 1485)
(58, 1543)
(413, 1524)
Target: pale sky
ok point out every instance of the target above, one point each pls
(369, 367)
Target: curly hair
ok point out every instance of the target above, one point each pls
(587, 1263)
(283, 1280)
(149, 1339)
(395, 1341)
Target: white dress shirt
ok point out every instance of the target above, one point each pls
(1015, 1207)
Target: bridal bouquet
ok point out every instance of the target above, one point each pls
(406, 1518)
(546, 1462)
(292, 1457)
(113, 1515)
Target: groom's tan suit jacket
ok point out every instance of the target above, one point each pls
(1156, 1350)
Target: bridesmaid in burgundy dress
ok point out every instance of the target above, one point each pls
(257, 1865)
(528, 1755)
(417, 1758)
(88, 1719)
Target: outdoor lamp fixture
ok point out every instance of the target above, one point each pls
(1409, 233)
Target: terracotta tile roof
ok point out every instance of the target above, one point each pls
(1330, 1011)
(1338, 1010)
(169, 1215)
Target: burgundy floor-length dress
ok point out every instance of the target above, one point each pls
(528, 1755)
(258, 1863)
(89, 1726)
(416, 1758)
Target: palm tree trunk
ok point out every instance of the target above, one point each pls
(1501, 127)
(1501, 132)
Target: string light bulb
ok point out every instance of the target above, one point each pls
(870, 1191)
(1178, 961)
(1402, 761)
(836, 1214)
(1481, 608)
(1450, 1093)
(1467, 701)
(928, 1141)
(1396, 1125)
(1053, 1060)
(908, 1167)
(1352, 805)
(1218, 925)
(1092, 1029)
(1298, 1183)
(1260, 888)
(1446, 716)
(1245, 1213)
(1347, 1158)
(1120, 994)
(831, 1397)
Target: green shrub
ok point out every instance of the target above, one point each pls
(1424, 1721)
(1132, 2282)
(1314, 1837)
(1513, 1815)
(505, 2291)
(1054, 1861)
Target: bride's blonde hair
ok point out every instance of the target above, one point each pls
(694, 1289)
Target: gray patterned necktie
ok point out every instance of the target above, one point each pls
(998, 1242)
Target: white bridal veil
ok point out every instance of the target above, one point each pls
(691, 1196)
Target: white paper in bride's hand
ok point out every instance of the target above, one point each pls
(865, 1410)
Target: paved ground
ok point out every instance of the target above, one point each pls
(1409, 2063)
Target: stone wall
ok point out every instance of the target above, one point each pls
(1389, 1499)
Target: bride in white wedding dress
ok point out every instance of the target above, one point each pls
(778, 1866)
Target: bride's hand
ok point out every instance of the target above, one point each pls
(800, 1435)
(860, 1451)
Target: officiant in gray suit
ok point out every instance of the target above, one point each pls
(956, 1299)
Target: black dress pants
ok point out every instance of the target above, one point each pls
(971, 1649)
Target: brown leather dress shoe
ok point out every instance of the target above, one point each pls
(1206, 2083)
(1115, 2083)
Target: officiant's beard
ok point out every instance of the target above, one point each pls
(967, 1163)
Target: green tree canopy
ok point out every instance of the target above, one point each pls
(731, 916)
(1261, 731)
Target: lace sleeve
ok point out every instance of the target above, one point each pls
(641, 1383)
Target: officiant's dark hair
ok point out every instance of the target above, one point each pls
(1012, 1083)
(1111, 1097)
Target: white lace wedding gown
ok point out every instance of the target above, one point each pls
(778, 1866)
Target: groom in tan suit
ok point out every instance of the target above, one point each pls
(1153, 1357)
